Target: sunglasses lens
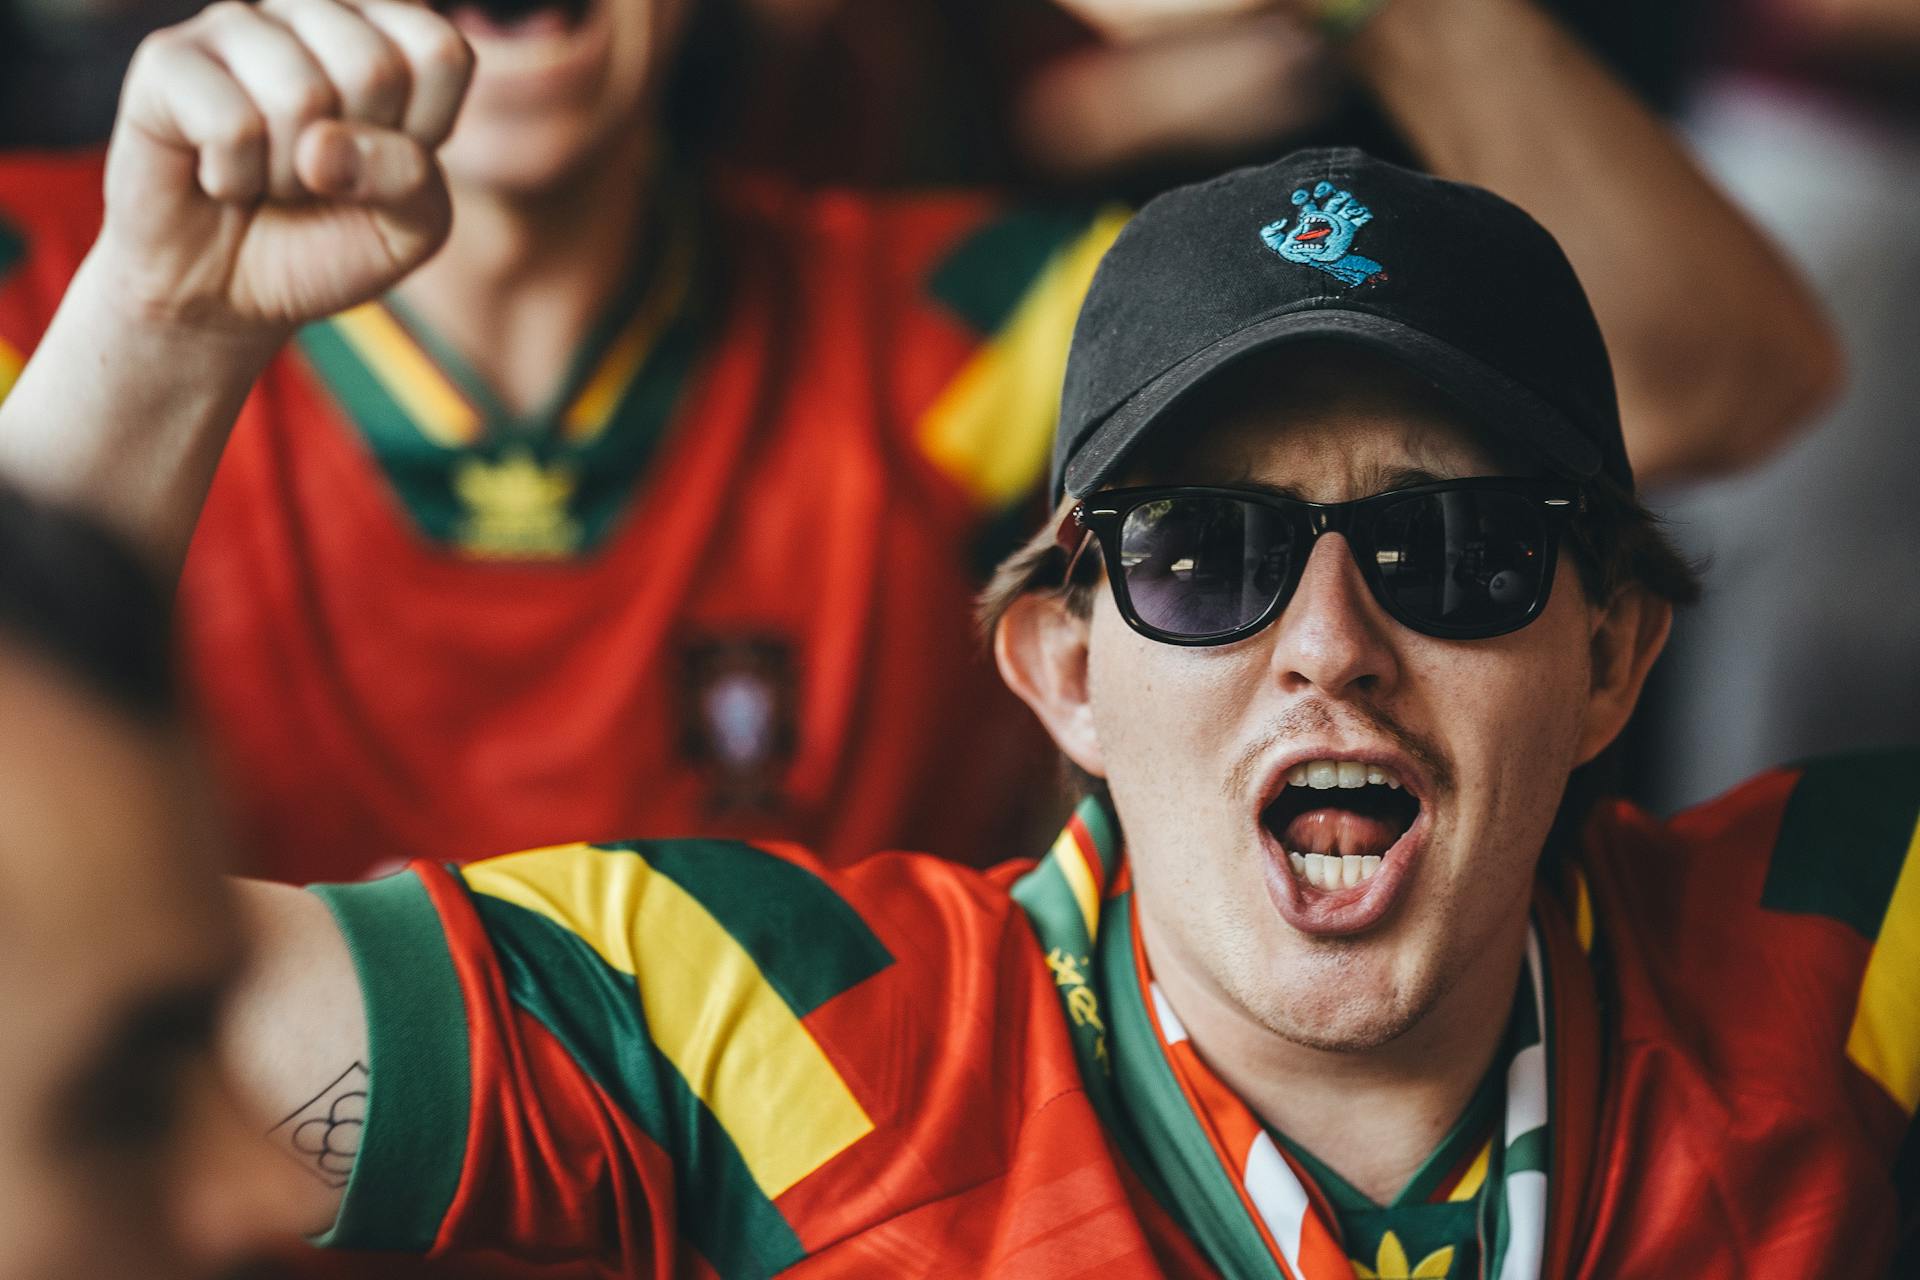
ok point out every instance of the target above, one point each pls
(1202, 565)
(1468, 561)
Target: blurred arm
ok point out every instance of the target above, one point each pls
(1893, 20)
(1719, 351)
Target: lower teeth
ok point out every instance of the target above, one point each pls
(1332, 870)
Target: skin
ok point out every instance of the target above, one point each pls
(1359, 1032)
(123, 1149)
(553, 170)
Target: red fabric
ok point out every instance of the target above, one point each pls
(375, 698)
(1714, 1128)
(1736, 1139)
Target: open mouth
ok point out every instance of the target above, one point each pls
(507, 17)
(1313, 229)
(1338, 820)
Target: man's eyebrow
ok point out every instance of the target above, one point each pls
(1378, 482)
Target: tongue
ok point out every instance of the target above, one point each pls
(1338, 831)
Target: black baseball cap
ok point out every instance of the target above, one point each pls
(1452, 281)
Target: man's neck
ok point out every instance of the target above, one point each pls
(1373, 1116)
(523, 279)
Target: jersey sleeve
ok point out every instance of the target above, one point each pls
(674, 1058)
(1848, 856)
(976, 298)
(49, 214)
(1015, 284)
(1786, 936)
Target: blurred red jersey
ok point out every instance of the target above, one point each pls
(721, 583)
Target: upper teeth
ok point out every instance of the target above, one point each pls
(1322, 774)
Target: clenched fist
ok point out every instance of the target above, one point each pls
(274, 163)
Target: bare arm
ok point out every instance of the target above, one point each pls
(1896, 22)
(296, 1036)
(270, 165)
(1719, 351)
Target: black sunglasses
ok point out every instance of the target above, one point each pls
(1202, 565)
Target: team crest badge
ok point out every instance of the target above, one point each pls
(737, 718)
(516, 509)
(1322, 233)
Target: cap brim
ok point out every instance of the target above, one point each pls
(1489, 397)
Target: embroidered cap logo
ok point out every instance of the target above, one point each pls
(1322, 235)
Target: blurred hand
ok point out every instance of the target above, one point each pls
(275, 164)
(1215, 89)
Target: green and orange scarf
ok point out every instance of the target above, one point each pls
(1254, 1208)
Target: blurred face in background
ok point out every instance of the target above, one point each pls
(121, 1152)
(558, 85)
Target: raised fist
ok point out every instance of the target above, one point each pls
(274, 164)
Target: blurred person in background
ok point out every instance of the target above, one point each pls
(1805, 641)
(61, 62)
(656, 500)
(1120, 99)
(124, 1152)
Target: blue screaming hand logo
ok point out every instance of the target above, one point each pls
(1322, 236)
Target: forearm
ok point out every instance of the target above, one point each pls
(127, 414)
(1719, 350)
(1896, 22)
(295, 1040)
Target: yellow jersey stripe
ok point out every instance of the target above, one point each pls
(416, 384)
(991, 430)
(11, 363)
(1079, 878)
(1476, 1174)
(1885, 1039)
(587, 417)
(1582, 910)
(708, 1007)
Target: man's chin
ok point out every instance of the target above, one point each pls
(521, 159)
(1347, 1006)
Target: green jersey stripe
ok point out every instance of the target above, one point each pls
(809, 944)
(13, 247)
(611, 465)
(415, 465)
(1205, 1198)
(417, 1097)
(984, 278)
(1844, 837)
(722, 1212)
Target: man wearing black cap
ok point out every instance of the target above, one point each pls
(1337, 970)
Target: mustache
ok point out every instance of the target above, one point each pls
(1318, 717)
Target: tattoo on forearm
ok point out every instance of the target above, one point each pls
(324, 1135)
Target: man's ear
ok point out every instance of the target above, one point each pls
(1041, 649)
(1627, 636)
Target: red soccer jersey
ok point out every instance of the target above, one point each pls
(687, 1059)
(722, 584)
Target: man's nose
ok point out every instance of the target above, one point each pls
(1332, 636)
